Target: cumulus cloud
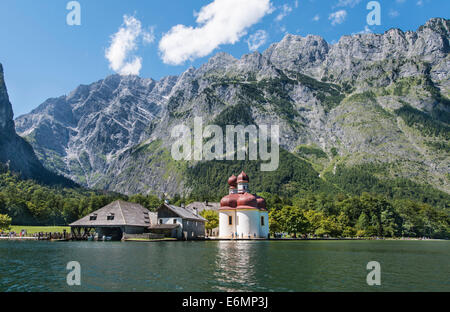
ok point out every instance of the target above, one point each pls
(257, 39)
(285, 10)
(316, 18)
(220, 22)
(124, 43)
(338, 17)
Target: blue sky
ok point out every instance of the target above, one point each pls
(44, 57)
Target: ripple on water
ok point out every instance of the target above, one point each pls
(225, 266)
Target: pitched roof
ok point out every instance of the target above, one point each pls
(202, 206)
(124, 213)
(185, 213)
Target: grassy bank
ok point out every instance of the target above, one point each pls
(36, 229)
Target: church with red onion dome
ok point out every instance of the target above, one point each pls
(242, 215)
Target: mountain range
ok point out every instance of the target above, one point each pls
(371, 105)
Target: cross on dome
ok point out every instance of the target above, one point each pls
(239, 196)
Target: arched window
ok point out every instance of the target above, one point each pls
(230, 220)
(262, 220)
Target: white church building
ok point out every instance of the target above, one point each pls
(242, 215)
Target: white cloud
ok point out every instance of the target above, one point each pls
(316, 18)
(149, 37)
(285, 10)
(366, 30)
(257, 39)
(393, 13)
(349, 3)
(338, 17)
(419, 3)
(220, 22)
(132, 67)
(123, 43)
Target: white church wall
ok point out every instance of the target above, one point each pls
(248, 225)
(264, 229)
(245, 223)
(225, 229)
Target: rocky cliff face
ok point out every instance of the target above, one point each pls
(16, 153)
(371, 99)
(6, 113)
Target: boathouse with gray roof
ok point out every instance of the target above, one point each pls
(115, 220)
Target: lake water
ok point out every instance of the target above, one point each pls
(226, 266)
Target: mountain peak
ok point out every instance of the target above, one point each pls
(6, 112)
(100, 137)
(15, 152)
(437, 21)
(439, 25)
(221, 59)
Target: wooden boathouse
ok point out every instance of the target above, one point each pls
(113, 221)
(121, 220)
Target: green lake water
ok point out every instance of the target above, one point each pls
(226, 266)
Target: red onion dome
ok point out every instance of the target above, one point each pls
(261, 203)
(247, 201)
(232, 181)
(229, 201)
(243, 178)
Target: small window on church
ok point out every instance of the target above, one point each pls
(110, 217)
(160, 221)
(174, 221)
(262, 220)
(230, 220)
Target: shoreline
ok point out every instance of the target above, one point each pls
(241, 239)
(326, 239)
(19, 238)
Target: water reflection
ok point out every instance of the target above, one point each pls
(225, 266)
(236, 266)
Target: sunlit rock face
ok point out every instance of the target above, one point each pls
(6, 113)
(16, 154)
(353, 102)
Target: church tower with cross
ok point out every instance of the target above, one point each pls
(242, 215)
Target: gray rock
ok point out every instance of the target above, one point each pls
(115, 133)
(16, 153)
